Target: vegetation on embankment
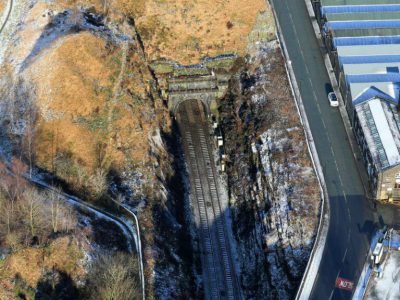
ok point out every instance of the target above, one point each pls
(83, 107)
(272, 184)
(82, 104)
(47, 245)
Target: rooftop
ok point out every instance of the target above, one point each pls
(363, 91)
(356, 2)
(380, 123)
(366, 32)
(388, 77)
(363, 59)
(361, 24)
(374, 68)
(362, 50)
(363, 16)
(336, 9)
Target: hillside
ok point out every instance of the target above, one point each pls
(49, 247)
(82, 108)
(185, 31)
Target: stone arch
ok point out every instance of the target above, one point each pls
(177, 103)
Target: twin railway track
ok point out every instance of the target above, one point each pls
(220, 281)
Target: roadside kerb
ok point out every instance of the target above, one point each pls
(367, 270)
(311, 271)
(139, 244)
(6, 15)
(342, 109)
(363, 281)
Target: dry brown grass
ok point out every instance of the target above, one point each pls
(2, 6)
(29, 264)
(74, 83)
(185, 30)
(68, 80)
(74, 79)
(64, 4)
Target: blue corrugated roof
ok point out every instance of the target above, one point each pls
(356, 2)
(357, 24)
(366, 40)
(363, 78)
(389, 15)
(359, 8)
(368, 59)
(373, 92)
(366, 32)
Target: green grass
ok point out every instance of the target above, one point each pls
(95, 122)
(23, 291)
(191, 72)
(162, 68)
(226, 64)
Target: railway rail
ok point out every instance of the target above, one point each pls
(220, 280)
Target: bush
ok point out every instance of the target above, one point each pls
(114, 277)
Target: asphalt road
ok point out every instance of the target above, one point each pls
(352, 218)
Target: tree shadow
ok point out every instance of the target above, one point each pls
(56, 285)
(176, 263)
(108, 235)
(62, 24)
(57, 28)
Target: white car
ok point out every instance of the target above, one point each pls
(333, 100)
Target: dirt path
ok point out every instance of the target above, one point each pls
(117, 87)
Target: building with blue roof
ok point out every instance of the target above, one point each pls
(363, 41)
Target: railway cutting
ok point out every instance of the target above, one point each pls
(219, 274)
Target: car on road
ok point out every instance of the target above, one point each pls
(333, 100)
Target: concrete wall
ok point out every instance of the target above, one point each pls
(388, 181)
(203, 88)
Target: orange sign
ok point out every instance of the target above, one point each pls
(344, 284)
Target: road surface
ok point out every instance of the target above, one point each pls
(219, 276)
(352, 219)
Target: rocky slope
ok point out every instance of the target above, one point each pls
(49, 247)
(274, 192)
(81, 104)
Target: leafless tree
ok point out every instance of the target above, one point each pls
(98, 183)
(5, 215)
(55, 207)
(61, 217)
(28, 139)
(68, 218)
(115, 277)
(12, 185)
(31, 208)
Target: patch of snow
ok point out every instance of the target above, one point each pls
(388, 286)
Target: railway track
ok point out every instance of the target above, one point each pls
(220, 281)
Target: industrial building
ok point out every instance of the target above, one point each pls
(363, 40)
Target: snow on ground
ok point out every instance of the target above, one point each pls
(125, 226)
(387, 287)
(19, 10)
(274, 190)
